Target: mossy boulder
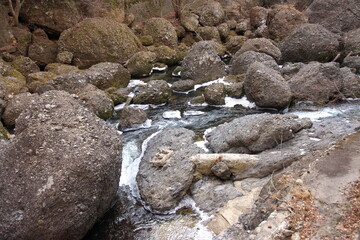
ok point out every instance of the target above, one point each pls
(98, 102)
(25, 65)
(4, 134)
(11, 80)
(168, 56)
(23, 39)
(141, 63)
(97, 40)
(162, 31)
(43, 51)
(61, 69)
(40, 76)
(5, 36)
(155, 92)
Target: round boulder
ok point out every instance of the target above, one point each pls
(60, 173)
(130, 116)
(309, 42)
(97, 40)
(211, 14)
(261, 45)
(97, 101)
(215, 94)
(266, 87)
(162, 31)
(155, 92)
(141, 64)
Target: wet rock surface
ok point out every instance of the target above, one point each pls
(62, 166)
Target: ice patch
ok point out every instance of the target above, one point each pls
(193, 113)
(317, 115)
(231, 102)
(146, 124)
(219, 80)
(119, 106)
(315, 139)
(160, 69)
(174, 74)
(202, 145)
(172, 114)
(134, 83)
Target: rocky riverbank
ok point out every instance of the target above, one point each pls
(211, 109)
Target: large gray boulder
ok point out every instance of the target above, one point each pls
(60, 173)
(165, 172)
(266, 87)
(97, 40)
(309, 42)
(155, 92)
(202, 64)
(322, 83)
(162, 32)
(242, 61)
(336, 16)
(255, 133)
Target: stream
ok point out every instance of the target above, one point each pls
(130, 218)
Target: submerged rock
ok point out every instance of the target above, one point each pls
(255, 133)
(60, 173)
(162, 186)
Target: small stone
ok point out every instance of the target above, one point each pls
(221, 170)
(64, 57)
(299, 182)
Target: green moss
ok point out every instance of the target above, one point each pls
(4, 134)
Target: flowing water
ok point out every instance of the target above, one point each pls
(130, 218)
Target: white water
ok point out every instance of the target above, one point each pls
(317, 115)
(172, 114)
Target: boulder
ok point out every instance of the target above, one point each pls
(11, 80)
(352, 42)
(215, 94)
(42, 50)
(283, 19)
(42, 77)
(15, 106)
(162, 31)
(235, 43)
(141, 64)
(242, 61)
(183, 85)
(266, 87)
(162, 187)
(212, 194)
(202, 64)
(242, 27)
(296, 48)
(60, 173)
(65, 57)
(97, 101)
(322, 83)
(130, 116)
(236, 163)
(224, 30)
(60, 68)
(208, 33)
(155, 92)
(211, 13)
(289, 70)
(190, 21)
(25, 65)
(97, 40)
(235, 90)
(258, 16)
(352, 62)
(255, 133)
(168, 56)
(5, 35)
(262, 45)
(336, 16)
(23, 39)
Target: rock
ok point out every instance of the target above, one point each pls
(147, 40)
(155, 92)
(262, 45)
(43, 51)
(166, 55)
(283, 19)
(210, 194)
(25, 65)
(335, 16)
(215, 94)
(242, 27)
(106, 74)
(289, 70)
(36, 81)
(236, 163)
(141, 64)
(23, 39)
(162, 31)
(97, 40)
(118, 95)
(224, 30)
(180, 31)
(6, 39)
(63, 165)
(15, 106)
(255, 133)
(352, 42)
(11, 80)
(61, 69)
(183, 85)
(190, 21)
(130, 116)
(208, 33)
(202, 64)
(197, 100)
(352, 62)
(296, 48)
(322, 83)
(163, 187)
(211, 13)
(221, 170)
(4, 134)
(64, 57)
(219, 48)
(266, 87)
(98, 102)
(258, 16)
(242, 61)
(235, 43)
(72, 83)
(235, 90)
